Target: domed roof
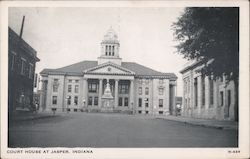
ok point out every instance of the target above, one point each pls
(110, 36)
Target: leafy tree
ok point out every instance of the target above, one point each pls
(211, 34)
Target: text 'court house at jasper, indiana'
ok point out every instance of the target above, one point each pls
(108, 85)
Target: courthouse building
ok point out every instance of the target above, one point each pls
(204, 97)
(108, 85)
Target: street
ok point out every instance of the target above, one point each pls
(115, 130)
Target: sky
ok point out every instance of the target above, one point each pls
(64, 36)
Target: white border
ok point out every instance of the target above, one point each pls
(138, 152)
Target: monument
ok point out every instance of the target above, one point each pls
(107, 99)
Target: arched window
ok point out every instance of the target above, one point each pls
(113, 50)
(106, 50)
(109, 50)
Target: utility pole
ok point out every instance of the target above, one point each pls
(21, 31)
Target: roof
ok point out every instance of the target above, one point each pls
(78, 68)
(190, 65)
(193, 64)
(16, 41)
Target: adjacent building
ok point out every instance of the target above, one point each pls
(21, 68)
(206, 97)
(108, 85)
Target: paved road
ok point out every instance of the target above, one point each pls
(115, 130)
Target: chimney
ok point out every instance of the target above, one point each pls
(21, 31)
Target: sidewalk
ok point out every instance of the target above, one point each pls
(203, 122)
(31, 116)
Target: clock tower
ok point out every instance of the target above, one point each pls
(110, 48)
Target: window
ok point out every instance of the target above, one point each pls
(229, 97)
(188, 102)
(140, 102)
(123, 88)
(30, 71)
(113, 50)
(92, 87)
(140, 81)
(69, 88)
(221, 98)
(90, 101)
(23, 66)
(125, 101)
(106, 50)
(146, 102)
(195, 93)
(146, 81)
(211, 92)
(109, 50)
(76, 88)
(140, 90)
(69, 100)
(120, 101)
(160, 103)
(160, 112)
(160, 91)
(221, 79)
(76, 81)
(76, 100)
(203, 90)
(55, 88)
(96, 101)
(12, 61)
(70, 81)
(55, 85)
(54, 100)
(146, 91)
(146, 112)
(139, 111)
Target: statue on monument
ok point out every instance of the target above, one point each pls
(107, 92)
(108, 99)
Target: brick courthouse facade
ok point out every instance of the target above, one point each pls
(132, 88)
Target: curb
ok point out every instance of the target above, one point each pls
(33, 118)
(203, 125)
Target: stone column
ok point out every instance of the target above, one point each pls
(85, 91)
(116, 92)
(100, 93)
(44, 94)
(166, 102)
(131, 95)
(199, 95)
(174, 102)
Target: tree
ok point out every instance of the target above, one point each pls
(211, 34)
